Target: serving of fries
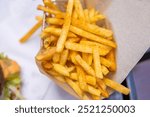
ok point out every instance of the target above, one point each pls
(76, 51)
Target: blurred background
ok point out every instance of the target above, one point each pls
(17, 17)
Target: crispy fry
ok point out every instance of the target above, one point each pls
(92, 28)
(74, 40)
(116, 86)
(90, 43)
(84, 65)
(105, 62)
(104, 93)
(86, 14)
(46, 54)
(73, 55)
(31, 31)
(74, 76)
(51, 11)
(64, 56)
(84, 48)
(47, 42)
(75, 87)
(66, 26)
(91, 80)
(70, 69)
(49, 4)
(57, 31)
(38, 18)
(56, 57)
(97, 63)
(112, 59)
(93, 91)
(105, 71)
(61, 69)
(75, 15)
(81, 78)
(94, 97)
(79, 9)
(101, 84)
(47, 65)
(92, 37)
(44, 35)
(53, 72)
(54, 21)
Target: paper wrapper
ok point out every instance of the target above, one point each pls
(131, 30)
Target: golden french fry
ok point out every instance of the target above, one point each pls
(90, 43)
(90, 80)
(101, 84)
(54, 21)
(70, 69)
(84, 65)
(92, 28)
(64, 56)
(44, 35)
(93, 91)
(51, 11)
(94, 97)
(104, 93)
(90, 59)
(116, 86)
(38, 18)
(103, 88)
(97, 18)
(75, 15)
(97, 63)
(66, 26)
(47, 42)
(56, 57)
(31, 31)
(79, 9)
(53, 72)
(72, 56)
(47, 65)
(81, 78)
(75, 87)
(92, 37)
(74, 40)
(84, 57)
(49, 4)
(105, 62)
(112, 59)
(46, 54)
(61, 69)
(84, 48)
(74, 76)
(105, 71)
(86, 14)
(57, 31)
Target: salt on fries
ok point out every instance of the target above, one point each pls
(76, 50)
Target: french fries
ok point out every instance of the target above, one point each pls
(118, 87)
(97, 63)
(66, 26)
(31, 31)
(77, 51)
(85, 66)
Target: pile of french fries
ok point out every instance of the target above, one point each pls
(76, 50)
